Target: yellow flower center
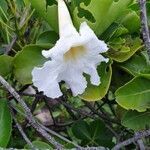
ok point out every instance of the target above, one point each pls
(74, 53)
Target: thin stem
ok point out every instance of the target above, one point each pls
(22, 132)
(140, 143)
(100, 114)
(137, 137)
(10, 46)
(144, 25)
(47, 129)
(29, 115)
(51, 113)
(59, 136)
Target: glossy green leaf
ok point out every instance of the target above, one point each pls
(99, 133)
(136, 120)
(107, 35)
(5, 123)
(94, 93)
(25, 61)
(134, 95)
(39, 145)
(47, 39)
(92, 134)
(132, 22)
(135, 7)
(119, 77)
(5, 65)
(101, 13)
(122, 52)
(82, 128)
(120, 112)
(138, 65)
(46, 11)
(115, 32)
(119, 32)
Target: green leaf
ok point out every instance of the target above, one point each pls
(5, 123)
(99, 133)
(122, 52)
(110, 32)
(48, 12)
(132, 22)
(120, 112)
(119, 32)
(136, 120)
(92, 134)
(119, 77)
(25, 61)
(5, 65)
(3, 5)
(26, 2)
(138, 65)
(134, 95)
(47, 39)
(94, 93)
(102, 13)
(83, 128)
(148, 12)
(39, 145)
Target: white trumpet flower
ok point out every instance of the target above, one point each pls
(75, 53)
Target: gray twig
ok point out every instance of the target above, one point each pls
(61, 137)
(140, 143)
(49, 130)
(144, 25)
(22, 132)
(137, 137)
(107, 124)
(10, 46)
(29, 115)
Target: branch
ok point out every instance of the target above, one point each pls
(29, 115)
(103, 116)
(61, 137)
(22, 132)
(107, 124)
(144, 25)
(49, 130)
(137, 137)
(79, 111)
(10, 46)
(140, 143)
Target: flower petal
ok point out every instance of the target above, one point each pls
(45, 79)
(91, 62)
(59, 49)
(75, 80)
(66, 27)
(94, 77)
(91, 41)
(62, 46)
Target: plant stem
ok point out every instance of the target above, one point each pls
(137, 137)
(29, 115)
(144, 25)
(22, 132)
